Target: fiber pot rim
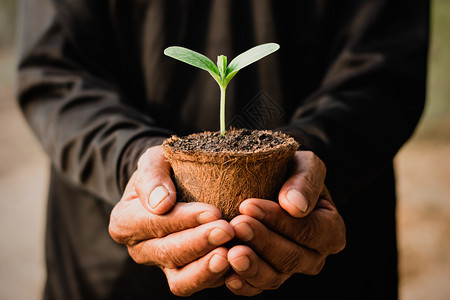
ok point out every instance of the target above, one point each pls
(290, 145)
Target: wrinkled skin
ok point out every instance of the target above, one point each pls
(186, 240)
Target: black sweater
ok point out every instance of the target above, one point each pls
(348, 83)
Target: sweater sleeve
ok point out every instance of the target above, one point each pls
(372, 94)
(70, 92)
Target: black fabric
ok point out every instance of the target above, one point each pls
(348, 83)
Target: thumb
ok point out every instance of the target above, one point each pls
(300, 193)
(153, 184)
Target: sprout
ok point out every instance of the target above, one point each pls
(222, 73)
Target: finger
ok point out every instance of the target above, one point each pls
(281, 253)
(131, 224)
(300, 192)
(207, 272)
(322, 230)
(257, 274)
(240, 286)
(181, 248)
(153, 183)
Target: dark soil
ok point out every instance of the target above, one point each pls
(238, 140)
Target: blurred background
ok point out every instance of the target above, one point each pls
(422, 166)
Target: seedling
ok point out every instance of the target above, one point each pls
(222, 73)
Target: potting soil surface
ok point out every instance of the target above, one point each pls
(238, 140)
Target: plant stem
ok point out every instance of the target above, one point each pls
(222, 109)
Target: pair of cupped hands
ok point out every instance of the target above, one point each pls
(188, 240)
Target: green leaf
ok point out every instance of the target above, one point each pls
(193, 58)
(248, 57)
(222, 65)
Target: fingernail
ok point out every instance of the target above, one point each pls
(157, 196)
(241, 263)
(244, 232)
(297, 199)
(235, 284)
(218, 237)
(253, 211)
(206, 217)
(218, 263)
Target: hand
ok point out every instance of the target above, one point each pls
(294, 236)
(183, 239)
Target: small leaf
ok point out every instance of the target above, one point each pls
(222, 65)
(192, 58)
(248, 57)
